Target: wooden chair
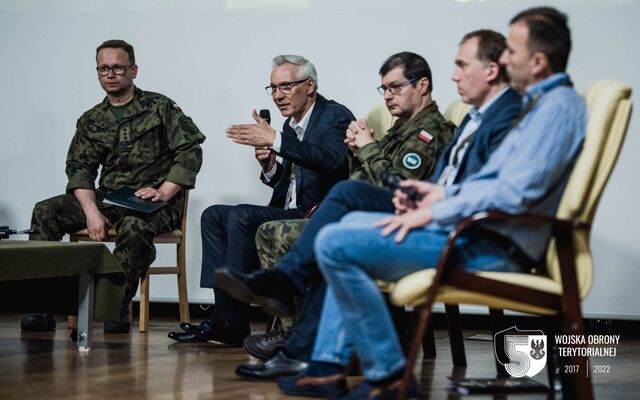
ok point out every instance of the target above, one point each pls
(568, 260)
(177, 237)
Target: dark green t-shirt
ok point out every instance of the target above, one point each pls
(119, 111)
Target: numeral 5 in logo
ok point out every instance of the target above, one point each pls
(521, 352)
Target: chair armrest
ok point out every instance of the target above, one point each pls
(561, 227)
(492, 216)
(311, 210)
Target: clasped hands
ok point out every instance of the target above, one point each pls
(409, 214)
(358, 135)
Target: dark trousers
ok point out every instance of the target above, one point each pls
(228, 240)
(300, 263)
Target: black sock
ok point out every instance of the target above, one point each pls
(228, 308)
(320, 368)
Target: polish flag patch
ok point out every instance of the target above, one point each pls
(425, 136)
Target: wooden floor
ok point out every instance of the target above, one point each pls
(151, 366)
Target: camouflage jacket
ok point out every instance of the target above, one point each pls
(409, 149)
(154, 142)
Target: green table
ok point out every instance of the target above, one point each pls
(61, 278)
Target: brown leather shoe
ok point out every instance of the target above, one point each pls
(314, 386)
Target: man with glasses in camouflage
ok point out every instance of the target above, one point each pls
(314, 157)
(136, 139)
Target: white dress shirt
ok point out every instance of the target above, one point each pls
(456, 155)
(299, 128)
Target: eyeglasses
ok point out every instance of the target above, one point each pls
(394, 88)
(117, 69)
(285, 87)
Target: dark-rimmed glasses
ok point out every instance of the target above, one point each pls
(117, 69)
(285, 87)
(394, 88)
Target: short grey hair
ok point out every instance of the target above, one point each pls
(306, 69)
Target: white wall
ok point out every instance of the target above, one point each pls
(213, 58)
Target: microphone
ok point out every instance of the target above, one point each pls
(266, 115)
(392, 182)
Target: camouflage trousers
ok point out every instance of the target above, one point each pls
(273, 240)
(134, 248)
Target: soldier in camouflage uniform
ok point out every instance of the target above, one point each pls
(410, 150)
(275, 238)
(141, 140)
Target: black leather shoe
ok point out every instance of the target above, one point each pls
(199, 329)
(272, 289)
(314, 386)
(264, 345)
(275, 367)
(186, 337)
(211, 331)
(122, 324)
(37, 322)
(117, 326)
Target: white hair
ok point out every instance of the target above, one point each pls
(306, 69)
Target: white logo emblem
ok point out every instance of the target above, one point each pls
(521, 352)
(411, 161)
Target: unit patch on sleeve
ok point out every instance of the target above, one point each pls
(411, 161)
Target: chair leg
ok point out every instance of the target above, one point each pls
(144, 302)
(429, 342)
(183, 298)
(424, 313)
(496, 317)
(551, 325)
(575, 385)
(428, 339)
(423, 324)
(272, 324)
(456, 340)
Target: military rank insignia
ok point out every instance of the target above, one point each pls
(188, 125)
(425, 136)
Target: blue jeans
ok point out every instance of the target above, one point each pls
(351, 255)
(300, 263)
